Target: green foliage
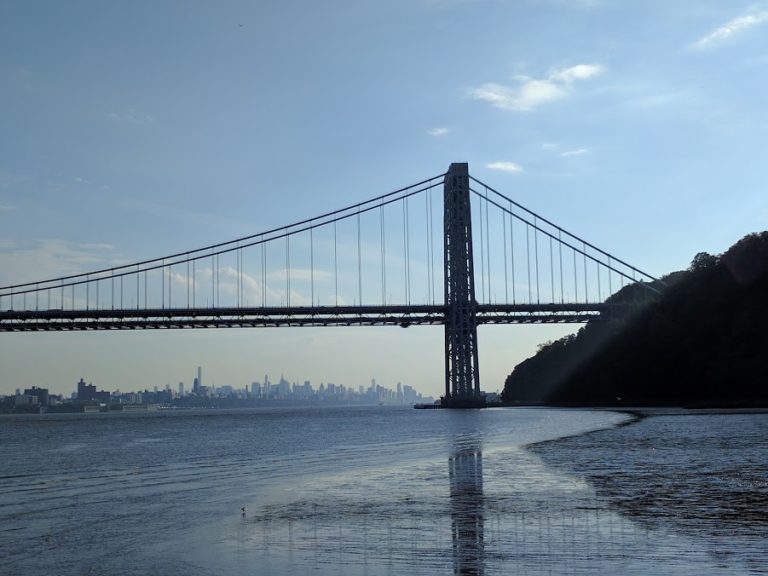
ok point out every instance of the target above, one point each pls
(702, 342)
(702, 261)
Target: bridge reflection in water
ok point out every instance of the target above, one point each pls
(477, 509)
(465, 469)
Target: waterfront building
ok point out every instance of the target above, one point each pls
(85, 391)
(40, 393)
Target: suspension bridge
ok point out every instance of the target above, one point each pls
(391, 260)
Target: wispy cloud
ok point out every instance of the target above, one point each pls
(5, 208)
(439, 131)
(730, 29)
(533, 92)
(505, 166)
(576, 152)
(49, 259)
(131, 116)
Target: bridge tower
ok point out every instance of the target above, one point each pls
(462, 377)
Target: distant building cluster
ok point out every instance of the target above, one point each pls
(87, 398)
(374, 393)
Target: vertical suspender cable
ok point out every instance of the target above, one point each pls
(599, 287)
(504, 240)
(528, 260)
(512, 252)
(383, 258)
(359, 265)
(560, 249)
(575, 279)
(312, 266)
(429, 235)
(536, 248)
(288, 270)
(242, 280)
(335, 264)
(405, 251)
(263, 274)
(432, 243)
(408, 245)
(586, 289)
(482, 251)
(610, 289)
(551, 270)
(487, 244)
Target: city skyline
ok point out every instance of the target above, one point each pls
(182, 389)
(88, 398)
(134, 131)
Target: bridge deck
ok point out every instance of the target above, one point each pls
(139, 319)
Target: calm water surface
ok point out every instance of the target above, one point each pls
(375, 491)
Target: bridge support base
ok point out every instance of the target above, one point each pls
(462, 403)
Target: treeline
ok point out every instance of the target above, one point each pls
(702, 341)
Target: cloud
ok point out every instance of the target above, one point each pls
(730, 29)
(5, 208)
(439, 131)
(97, 246)
(50, 259)
(533, 92)
(131, 116)
(577, 152)
(505, 166)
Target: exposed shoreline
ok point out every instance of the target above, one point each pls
(640, 413)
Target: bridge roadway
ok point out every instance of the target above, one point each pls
(392, 315)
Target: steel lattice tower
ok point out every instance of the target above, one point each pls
(462, 377)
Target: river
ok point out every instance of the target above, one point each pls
(375, 491)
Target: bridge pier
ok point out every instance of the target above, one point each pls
(462, 376)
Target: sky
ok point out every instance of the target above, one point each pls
(137, 129)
